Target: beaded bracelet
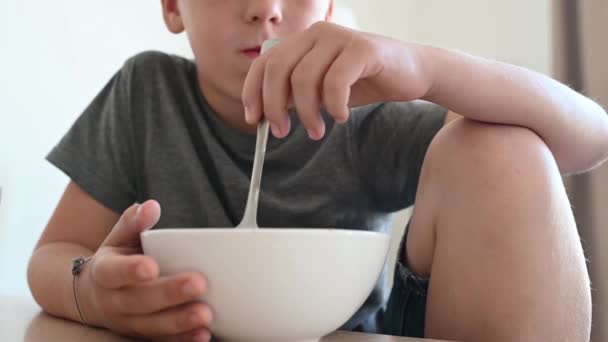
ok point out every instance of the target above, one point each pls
(76, 269)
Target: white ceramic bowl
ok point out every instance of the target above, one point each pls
(275, 284)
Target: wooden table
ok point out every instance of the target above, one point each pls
(22, 320)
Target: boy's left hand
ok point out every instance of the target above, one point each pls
(335, 68)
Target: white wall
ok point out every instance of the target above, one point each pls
(56, 55)
(517, 31)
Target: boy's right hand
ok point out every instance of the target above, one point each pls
(124, 292)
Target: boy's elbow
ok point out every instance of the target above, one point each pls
(576, 134)
(32, 279)
(38, 280)
(602, 146)
(596, 152)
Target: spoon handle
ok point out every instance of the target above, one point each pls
(251, 209)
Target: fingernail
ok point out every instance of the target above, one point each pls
(248, 115)
(142, 272)
(276, 131)
(316, 134)
(286, 127)
(136, 214)
(341, 119)
(312, 134)
(196, 319)
(188, 289)
(202, 336)
(321, 131)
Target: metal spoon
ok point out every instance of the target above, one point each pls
(249, 220)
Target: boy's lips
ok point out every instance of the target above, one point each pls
(252, 52)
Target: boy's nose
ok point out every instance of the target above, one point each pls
(264, 11)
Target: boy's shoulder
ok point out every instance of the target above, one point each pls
(155, 58)
(153, 63)
(152, 74)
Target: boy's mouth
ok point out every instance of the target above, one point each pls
(252, 52)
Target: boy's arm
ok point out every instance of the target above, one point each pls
(333, 67)
(66, 237)
(574, 127)
(119, 288)
(77, 228)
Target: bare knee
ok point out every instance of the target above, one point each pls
(494, 200)
(473, 161)
(471, 153)
(487, 169)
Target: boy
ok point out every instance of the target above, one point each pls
(492, 225)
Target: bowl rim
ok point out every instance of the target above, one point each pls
(265, 230)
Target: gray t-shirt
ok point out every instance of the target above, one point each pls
(150, 134)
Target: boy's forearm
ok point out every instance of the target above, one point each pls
(50, 279)
(574, 127)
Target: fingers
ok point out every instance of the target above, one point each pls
(159, 294)
(275, 106)
(345, 70)
(186, 319)
(295, 70)
(266, 90)
(146, 305)
(252, 91)
(147, 215)
(197, 335)
(307, 84)
(113, 271)
(133, 221)
(252, 95)
(200, 335)
(313, 71)
(276, 83)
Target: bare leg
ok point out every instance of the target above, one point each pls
(494, 230)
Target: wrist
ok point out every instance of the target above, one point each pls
(85, 297)
(428, 62)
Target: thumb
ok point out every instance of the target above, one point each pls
(133, 221)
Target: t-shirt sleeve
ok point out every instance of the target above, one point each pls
(390, 143)
(97, 151)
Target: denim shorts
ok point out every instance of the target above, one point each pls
(406, 306)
